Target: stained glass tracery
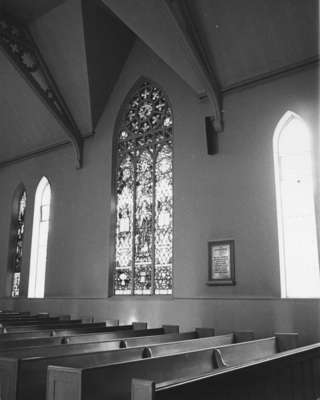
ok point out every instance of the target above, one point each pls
(144, 195)
(15, 289)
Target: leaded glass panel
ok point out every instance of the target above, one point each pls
(15, 290)
(124, 230)
(144, 191)
(163, 222)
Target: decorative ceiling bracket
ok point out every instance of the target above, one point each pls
(184, 17)
(18, 45)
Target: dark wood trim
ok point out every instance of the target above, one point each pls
(47, 90)
(268, 76)
(192, 29)
(184, 17)
(38, 152)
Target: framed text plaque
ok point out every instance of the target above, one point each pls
(221, 262)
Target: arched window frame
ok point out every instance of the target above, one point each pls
(40, 234)
(118, 128)
(286, 119)
(16, 241)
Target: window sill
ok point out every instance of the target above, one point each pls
(141, 297)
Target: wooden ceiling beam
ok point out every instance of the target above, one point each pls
(185, 18)
(18, 45)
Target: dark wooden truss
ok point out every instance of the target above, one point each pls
(17, 44)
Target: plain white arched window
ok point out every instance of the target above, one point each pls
(298, 246)
(41, 220)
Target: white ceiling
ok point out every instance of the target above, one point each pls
(242, 41)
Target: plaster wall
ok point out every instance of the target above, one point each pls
(229, 195)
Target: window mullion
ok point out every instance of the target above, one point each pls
(154, 158)
(134, 162)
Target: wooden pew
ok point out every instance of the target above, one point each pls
(30, 376)
(96, 337)
(15, 317)
(289, 375)
(109, 341)
(151, 345)
(76, 323)
(68, 331)
(11, 312)
(114, 381)
(24, 315)
(235, 354)
(33, 369)
(27, 320)
(18, 326)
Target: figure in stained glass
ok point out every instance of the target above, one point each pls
(16, 280)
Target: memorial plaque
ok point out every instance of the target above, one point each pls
(221, 262)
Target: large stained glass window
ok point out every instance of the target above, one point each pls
(144, 194)
(19, 233)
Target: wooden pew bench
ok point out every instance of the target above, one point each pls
(38, 326)
(230, 355)
(68, 331)
(11, 312)
(110, 342)
(114, 381)
(27, 321)
(23, 318)
(289, 375)
(93, 337)
(183, 346)
(28, 365)
(29, 373)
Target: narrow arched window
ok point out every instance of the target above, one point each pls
(16, 240)
(298, 246)
(40, 230)
(144, 193)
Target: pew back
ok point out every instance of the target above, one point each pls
(65, 331)
(30, 379)
(240, 353)
(113, 381)
(136, 336)
(99, 382)
(290, 375)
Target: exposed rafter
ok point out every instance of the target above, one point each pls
(18, 45)
(185, 19)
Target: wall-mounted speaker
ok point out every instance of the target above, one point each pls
(212, 137)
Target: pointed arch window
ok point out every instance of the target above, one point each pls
(143, 187)
(298, 245)
(16, 240)
(40, 230)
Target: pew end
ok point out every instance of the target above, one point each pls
(112, 322)
(287, 341)
(142, 389)
(67, 388)
(65, 317)
(205, 332)
(43, 315)
(87, 319)
(243, 336)
(139, 326)
(171, 328)
(241, 353)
